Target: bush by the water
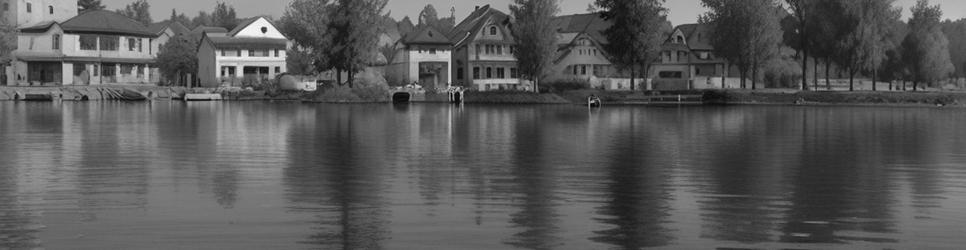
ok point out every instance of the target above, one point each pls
(566, 85)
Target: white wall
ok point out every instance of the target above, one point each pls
(255, 30)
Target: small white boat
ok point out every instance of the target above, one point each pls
(202, 97)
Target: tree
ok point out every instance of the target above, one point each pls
(181, 18)
(202, 19)
(429, 17)
(637, 33)
(406, 26)
(86, 5)
(306, 23)
(8, 38)
(866, 31)
(746, 32)
(926, 47)
(355, 35)
(177, 59)
(801, 14)
(536, 44)
(224, 16)
(956, 32)
(139, 10)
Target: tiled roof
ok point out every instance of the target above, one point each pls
(175, 26)
(426, 35)
(592, 24)
(475, 21)
(102, 21)
(698, 36)
(208, 29)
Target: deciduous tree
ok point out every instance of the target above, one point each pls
(181, 18)
(139, 10)
(926, 47)
(801, 14)
(306, 23)
(956, 32)
(867, 28)
(746, 32)
(85, 5)
(202, 19)
(635, 38)
(355, 30)
(224, 16)
(178, 58)
(536, 43)
(8, 38)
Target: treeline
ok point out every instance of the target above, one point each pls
(860, 38)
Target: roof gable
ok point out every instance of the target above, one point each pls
(257, 27)
(697, 36)
(470, 27)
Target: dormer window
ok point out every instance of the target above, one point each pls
(493, 30)
(680, 39)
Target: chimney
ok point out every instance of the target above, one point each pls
(477, 7)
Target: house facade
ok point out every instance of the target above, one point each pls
(688, 61)
(95, 47)
(24, 13)
(582, 57)
(253, 51)
(483, 52)
(425, 58)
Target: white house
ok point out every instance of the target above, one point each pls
(25, 13)
(95, 47)
(425, 58)
(254, 50)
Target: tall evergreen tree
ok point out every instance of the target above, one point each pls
(635, 38)
(926, 47)
(536, 43)
(85, 5)
(139, 10)
(355, 35)
(181, 18)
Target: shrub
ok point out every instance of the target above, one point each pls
(567, 85)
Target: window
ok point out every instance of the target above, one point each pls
(682, 56)
(575, 68)
(276, 52)
(50, 9)
(6, 7)
(109, 43)
(223, 54)
(140, 45)
(56, 42)
(96, 71)
(680, 39)
(489, 73)
(251, 53)
(459, 74)
(500, 73)
(432, 51)
(151, 46)
(583, 69)
(671, 74)
(259, 53)
(499, 49)
(476, 72)
(513, 73)
(264, 30)
(513, 50)
(493, 31)
(131, 44)
(30, 8)
(278, 70)
(109, 70)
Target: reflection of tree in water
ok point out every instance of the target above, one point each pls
(328, 177)
(837, 187)
(225, 188)
(741, 201)
(636, 200)
(533, 179)
(107, 179)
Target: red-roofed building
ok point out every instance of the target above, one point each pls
(95, 47)
(255, 49)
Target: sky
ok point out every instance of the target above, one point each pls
(681, 11)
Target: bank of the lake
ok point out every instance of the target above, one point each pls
(781, 97)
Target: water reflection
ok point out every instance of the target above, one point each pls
(72, 175)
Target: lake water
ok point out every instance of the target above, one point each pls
(165, 175)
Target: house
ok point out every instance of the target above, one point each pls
(253, 51)
(24, 13)
(483, 49)
(688, 61)
(95, 47)
(425, 58)
(582, 57)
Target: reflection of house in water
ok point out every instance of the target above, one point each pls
(95, 47)
(425, 58)
(255, 50)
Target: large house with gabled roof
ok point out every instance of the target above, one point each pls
(581, 56)
(483, 52)
(94, 47)
(688, 61)
(254, 51)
